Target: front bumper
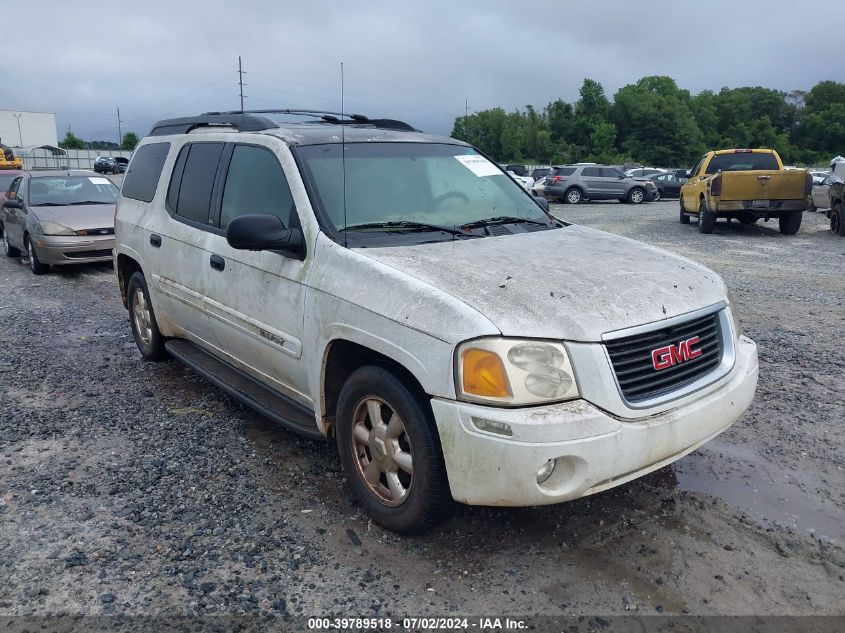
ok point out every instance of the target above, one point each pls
(57, 250)
(592, 450)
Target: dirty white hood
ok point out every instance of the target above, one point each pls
(572, 283)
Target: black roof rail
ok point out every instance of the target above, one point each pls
(240, 121)
(329, 117)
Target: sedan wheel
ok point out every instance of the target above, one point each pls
(657, 196)
(35, 266)
(8, 249)
(636, 196)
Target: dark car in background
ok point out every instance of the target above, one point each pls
(540, 172)
(668, 184)
(111, 164)
(575, 183)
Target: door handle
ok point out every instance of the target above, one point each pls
(217, 262)
(155, 240)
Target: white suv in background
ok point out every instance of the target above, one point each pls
(403, 295)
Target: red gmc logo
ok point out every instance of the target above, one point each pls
(665, 357)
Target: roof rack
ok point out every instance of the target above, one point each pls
(240, 121)
(251, 121)
(326, 116)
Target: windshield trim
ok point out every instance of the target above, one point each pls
(320, 212)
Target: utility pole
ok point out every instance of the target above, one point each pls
(241, 80)
(20, 135)
(119, 131)
(466, 108)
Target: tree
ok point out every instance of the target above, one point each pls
(130, 140)
(72, 142)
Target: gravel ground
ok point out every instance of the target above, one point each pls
(136, 488)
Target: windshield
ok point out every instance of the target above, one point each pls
(430, 183)
(742, 161)
(69, 190)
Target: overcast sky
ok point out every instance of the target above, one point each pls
(414, 60)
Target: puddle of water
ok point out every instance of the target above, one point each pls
(769, 493)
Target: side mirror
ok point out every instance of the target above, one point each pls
(688, 173)
(12, 203)
(264, 232)
(541, 200)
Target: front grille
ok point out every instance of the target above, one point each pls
(632, 358)
(105, 252)
(106, 230)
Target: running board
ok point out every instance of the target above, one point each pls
(269, 403)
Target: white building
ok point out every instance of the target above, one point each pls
(28, 129)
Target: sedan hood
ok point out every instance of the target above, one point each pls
(572, 283)
(78, 217)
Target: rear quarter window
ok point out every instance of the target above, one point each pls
(144, 172)
(563, 171)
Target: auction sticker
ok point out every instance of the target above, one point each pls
(99, 181)
(479, 165)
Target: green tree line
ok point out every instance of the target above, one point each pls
(655, 122)
(71, 141)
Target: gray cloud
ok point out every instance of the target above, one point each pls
(413, 60)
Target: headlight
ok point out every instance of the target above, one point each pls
(51, 228)
(734, 311)
(514, 372)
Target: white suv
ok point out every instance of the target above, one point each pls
(400, 293)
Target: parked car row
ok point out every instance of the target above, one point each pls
(110, 164)
(572, 184)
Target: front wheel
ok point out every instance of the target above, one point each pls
(658, 195)
(390, 452)
(35, 266)
(706, 219)
(8, 249)
(789, 224)
(148, 338)
(636, 195)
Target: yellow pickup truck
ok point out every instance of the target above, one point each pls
(8, 160)
(746, 184)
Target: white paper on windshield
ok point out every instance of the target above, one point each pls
(479, 165)
(99, 181)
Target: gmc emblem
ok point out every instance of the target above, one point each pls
(665, 357)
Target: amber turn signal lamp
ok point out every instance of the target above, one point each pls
(483, 374)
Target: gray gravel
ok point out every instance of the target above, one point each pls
(136, 488)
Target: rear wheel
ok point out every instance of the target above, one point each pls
(35, 266)
(148, 338)
(390, 452)
(706, 218)
(789, 224)
(8, 249)
(684, 216)
(573, 196)
(836, 223)
(636, 195)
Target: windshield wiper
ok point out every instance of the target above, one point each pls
(407, 225)
(502, 219)
(73, 204)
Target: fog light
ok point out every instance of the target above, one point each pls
(545, 471)
(492, 426)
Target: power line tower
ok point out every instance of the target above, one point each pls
(119, 131)
(241, 80)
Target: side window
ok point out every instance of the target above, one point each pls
(609, 172)
(144, 171)
(13, 190)
(694, 171)
(591, 172)
(255, 183)
(193, 200)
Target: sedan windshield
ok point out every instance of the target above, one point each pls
(71, 190)
(410, 186)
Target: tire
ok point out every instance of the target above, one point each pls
(35, 266)
(706, 219)
(790, 224)
(148, 338)
(8, 249)
(415, 502)
(636, 195)
(573, 196)
(658, 196)
(836, 223)
(812, 208)
(684, 217)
